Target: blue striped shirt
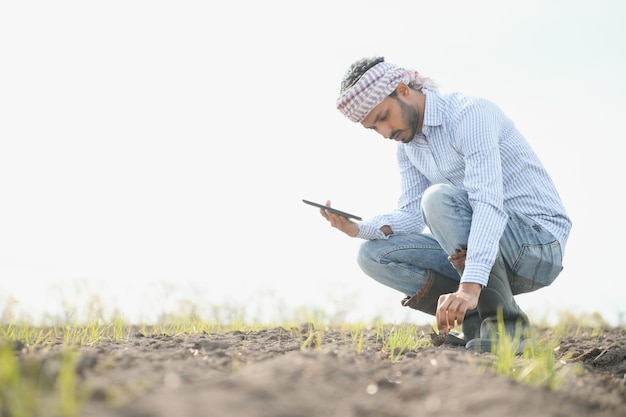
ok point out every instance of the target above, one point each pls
(470, 143)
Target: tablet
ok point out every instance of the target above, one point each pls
(334, 210)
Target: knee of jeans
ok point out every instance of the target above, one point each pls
(365, 257)
(436, 195)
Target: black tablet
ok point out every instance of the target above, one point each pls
(334, 210)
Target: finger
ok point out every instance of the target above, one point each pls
(442, 314)
(456, 256)
(456, 312)
(336, 220)
(459, 315)
(343, 220)
(324, 212)
(450, 312)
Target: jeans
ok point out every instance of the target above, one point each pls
(532, 255)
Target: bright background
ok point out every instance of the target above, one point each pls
(154, 154)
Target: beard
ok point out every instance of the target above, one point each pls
(410, 120)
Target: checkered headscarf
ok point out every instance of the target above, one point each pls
(373, 87)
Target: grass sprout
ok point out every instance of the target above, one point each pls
(537, 365)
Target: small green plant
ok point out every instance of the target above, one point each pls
(360, 341)
(69, 398)
(18, 390)
(536, 365)
(356, 335)
(313, 337)
(592, 324)
(380, 332)
(27, 388)
(401, 338)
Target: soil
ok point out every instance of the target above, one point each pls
(274, 372)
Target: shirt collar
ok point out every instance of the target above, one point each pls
(432, 117)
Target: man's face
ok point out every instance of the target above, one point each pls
(394, 118)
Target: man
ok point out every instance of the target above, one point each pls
(479, 219)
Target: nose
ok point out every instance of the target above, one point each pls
(385, 131)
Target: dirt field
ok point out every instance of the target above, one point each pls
(268, 373)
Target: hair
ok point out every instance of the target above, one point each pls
(356, 71)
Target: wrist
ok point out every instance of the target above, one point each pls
(354, 230)
(471, 288)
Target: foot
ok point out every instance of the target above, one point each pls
(490, 339)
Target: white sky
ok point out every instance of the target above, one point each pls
(154, 152)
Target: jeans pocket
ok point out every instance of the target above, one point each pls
(536, 266)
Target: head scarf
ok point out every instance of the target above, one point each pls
(373, 87)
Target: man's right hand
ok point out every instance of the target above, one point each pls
(340, 222)
(451, 307)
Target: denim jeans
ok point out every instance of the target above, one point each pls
(532, 255)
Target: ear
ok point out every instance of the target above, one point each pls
(403, 90)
